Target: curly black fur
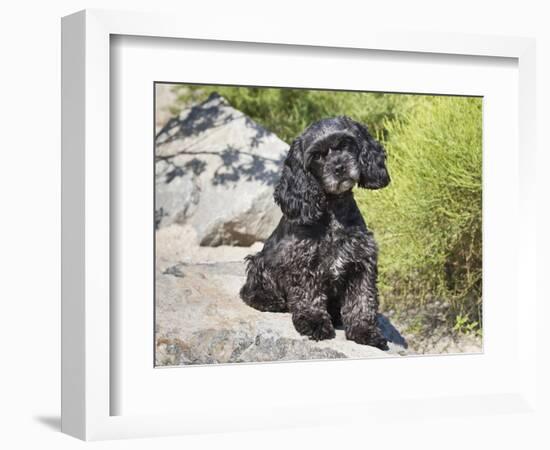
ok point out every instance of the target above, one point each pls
(320, 263)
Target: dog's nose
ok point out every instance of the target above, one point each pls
(339, 169)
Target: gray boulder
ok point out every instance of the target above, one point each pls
(200, 319)
(216, 170)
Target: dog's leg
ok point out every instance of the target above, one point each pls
(260, 290)
(309, 311)
(360, 309)
(335, 309)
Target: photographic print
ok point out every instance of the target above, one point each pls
(301, 224)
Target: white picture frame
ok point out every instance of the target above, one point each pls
(87, 325)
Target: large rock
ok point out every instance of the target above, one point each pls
(216, 170)
(200, 319)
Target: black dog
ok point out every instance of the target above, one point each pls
(320, 263)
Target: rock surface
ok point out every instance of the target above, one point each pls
(200, 319)
(216, 170)
(165, 98)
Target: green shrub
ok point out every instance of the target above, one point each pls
(428, 221)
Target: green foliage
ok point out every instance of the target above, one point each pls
(428, 221)
(286, 112)
(465, 326)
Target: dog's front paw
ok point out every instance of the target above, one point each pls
(367, 335)
(316, 325)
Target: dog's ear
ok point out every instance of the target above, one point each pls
(372, 160)
(298, 193)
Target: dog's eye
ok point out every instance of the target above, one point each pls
(318, 156)
(343, 146)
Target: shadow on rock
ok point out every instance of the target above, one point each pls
(215, 169)
(390, 332)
